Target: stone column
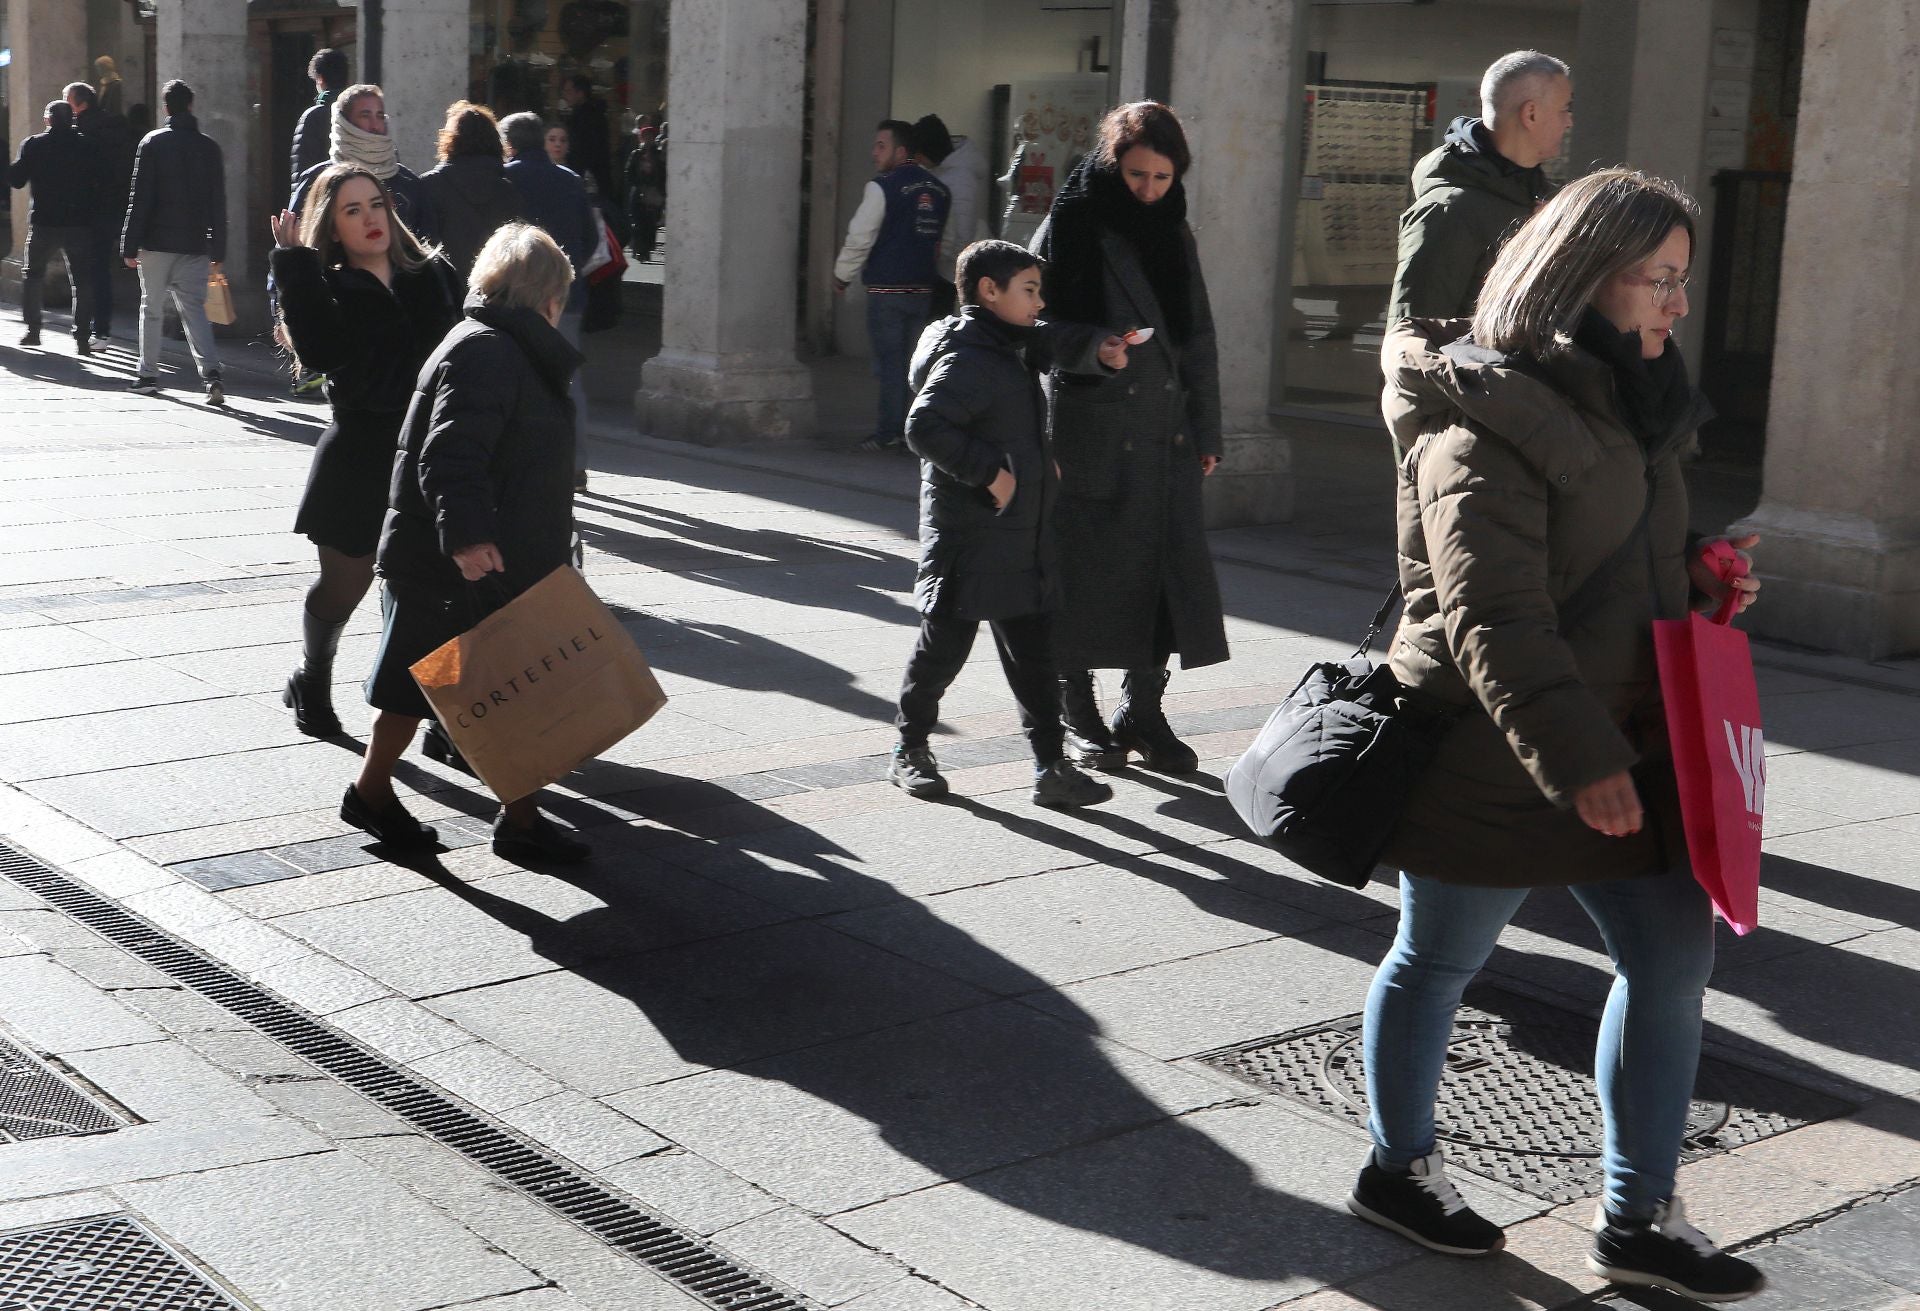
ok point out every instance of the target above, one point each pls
(1840, 509)
(1237, 69)
(204, 44)
(49, 41)
(423, 69)
(726, 372)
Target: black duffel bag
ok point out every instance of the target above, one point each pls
(1328, 776)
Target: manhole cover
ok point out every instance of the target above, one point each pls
(1517, 1102)
(107, 1264)
(35, 1102)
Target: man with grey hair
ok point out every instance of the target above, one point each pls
(1482, 183)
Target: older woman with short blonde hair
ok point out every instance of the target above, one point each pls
(482, 509)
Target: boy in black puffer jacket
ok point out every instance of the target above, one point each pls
(988, 479)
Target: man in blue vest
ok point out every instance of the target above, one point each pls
(892, 247)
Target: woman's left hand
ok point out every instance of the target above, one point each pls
(1208, 463)
(1706, 579)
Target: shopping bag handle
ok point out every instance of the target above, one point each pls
(1729, 564)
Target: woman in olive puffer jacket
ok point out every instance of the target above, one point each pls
(1542, 528)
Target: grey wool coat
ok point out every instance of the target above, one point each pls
(1129, 528)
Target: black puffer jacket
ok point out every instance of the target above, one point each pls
(486, 454)
(66, 171)
(472, 198)
(979, 409)
(178, 201)
(313, 134)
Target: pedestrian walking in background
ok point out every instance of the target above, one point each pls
(557, 201)
(482, 509)
(176, 236)
(63, 167)
(963, 171)
(1542, 525)
(1134, 564)
(892, 246)
(109, 87)
(1483, 182)
(469, 190)
(987, 490)
(362, 302)
(110, 133)
(313, 134)
(646, 179)
(589, 149)
(361, 136)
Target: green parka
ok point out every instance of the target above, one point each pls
(1517, 482)
(1467, 199)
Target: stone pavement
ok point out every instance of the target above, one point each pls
(901, 1057)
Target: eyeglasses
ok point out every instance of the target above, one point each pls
(1663, 288)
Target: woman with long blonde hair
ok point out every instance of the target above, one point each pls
(1542, 528)
(364, 302)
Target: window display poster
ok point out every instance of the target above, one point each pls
(1056, 119)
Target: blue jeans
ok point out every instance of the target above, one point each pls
(895, 320)
(1659, 932)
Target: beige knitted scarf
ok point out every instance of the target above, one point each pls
(376, 154)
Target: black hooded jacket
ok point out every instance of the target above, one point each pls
(486, 454)
(979, 409)
(65, 169)
(178, 201)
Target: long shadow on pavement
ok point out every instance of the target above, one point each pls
(1013, 1104)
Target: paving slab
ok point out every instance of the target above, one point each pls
(151, 735)
(622, 1022)
(88, 689)
(851, 1122)
(327, 1230)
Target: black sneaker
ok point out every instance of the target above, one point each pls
(144, 386)
(881, 446)
(1062, 787)
(542, 842)
(1424, 1206)
(81, 346)
(216, 394)
(32, 338)
(915, 772)
(1670, 1253)
(436, 745)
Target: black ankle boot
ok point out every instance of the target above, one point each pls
(1088, 742)
(1140, 725)
(310, 689)
(435, 744)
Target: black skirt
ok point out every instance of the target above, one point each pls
(346, 498)
(415, 622)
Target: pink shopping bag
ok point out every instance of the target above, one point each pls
(1713, 721)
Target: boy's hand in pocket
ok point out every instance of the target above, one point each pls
(1001, 489)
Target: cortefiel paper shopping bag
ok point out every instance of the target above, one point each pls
(1713, 721)
(220, 300)
(548, 681)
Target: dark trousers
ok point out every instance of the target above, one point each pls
(106, 256)
(895, 320)
(77, 245)
(1025, 643)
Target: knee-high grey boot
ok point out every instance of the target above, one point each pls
(310, 689)
(1141, 725)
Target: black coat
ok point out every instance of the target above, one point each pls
(115, 139)
(486, 454)
(979, 409)
(313, 135)
(66, 171)
(471, 198)
(178, 200)
(590, 142)
(370, 340)
(1130, 527)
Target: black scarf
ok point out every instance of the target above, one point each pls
(1097, 198)
(1654, 395)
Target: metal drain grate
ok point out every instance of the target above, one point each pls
(1516, 1102)
(35, 1102)
(688, 1261)
(99, 1265)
